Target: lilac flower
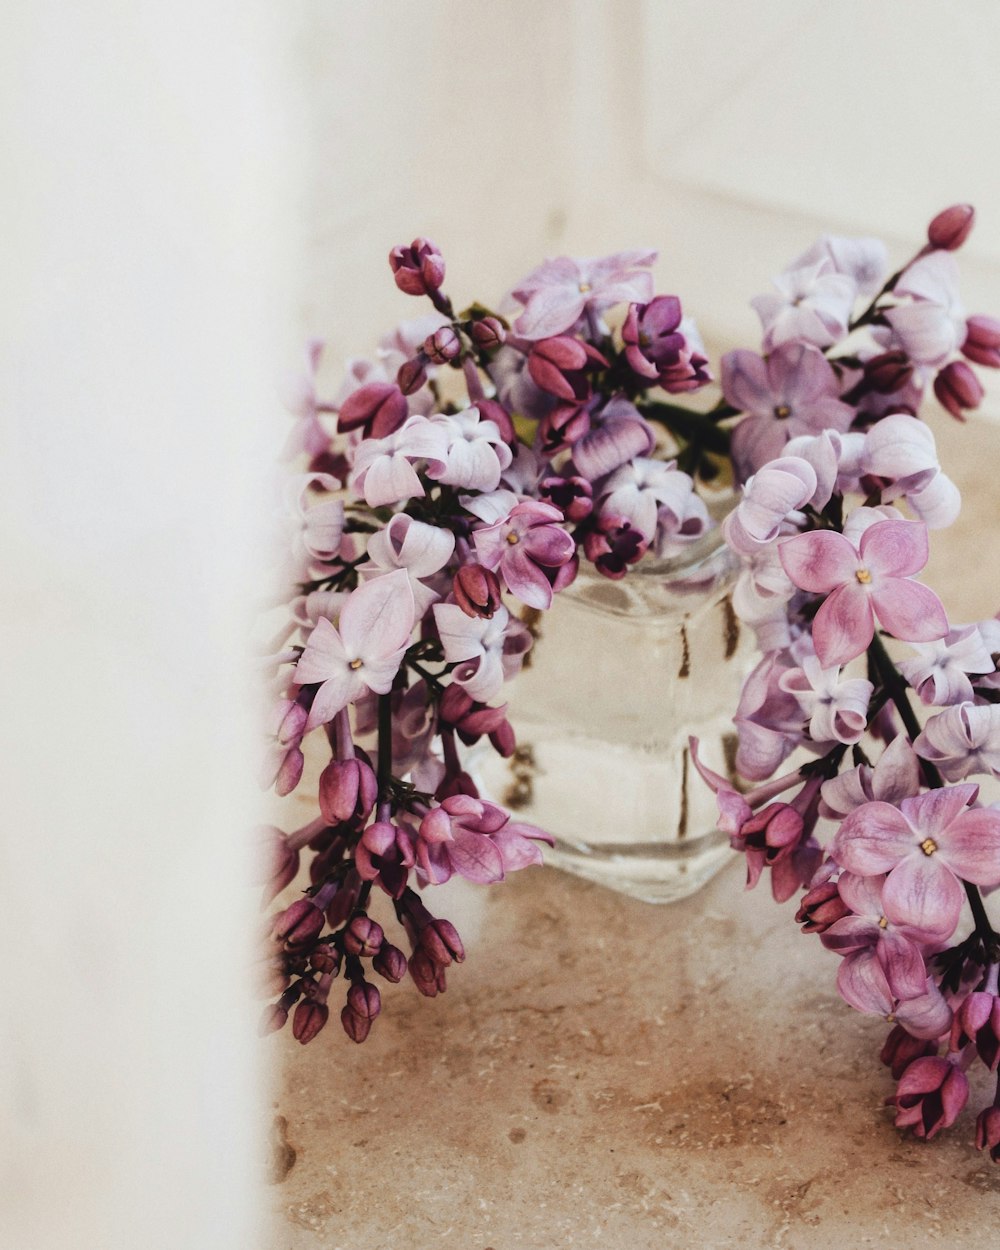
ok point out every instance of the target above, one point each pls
(865, 260)
(931, 326)
(385, 855)
(516, 388)
(475, 453)
(823, 452)
(977, 1023)
(420, 549)
(958, 389)
(873, 578)
(616, 434)
(930, 1096)
(988, 1132)
(638, 492)
(364, 653)
(982, 341)
(939, 673)
(475, 839)
(383, 467)
(900, 449)
(925, 845)
(791, 392)
(487, 649)
(311, 532)
(895, 776)
(529, 541)
(813, 305)
(307, 434)
(651, 337)
(558, 293)
(562, 365)
(760, 598)
(962, 740)
(770, 498)
(768, 719)
(837, 707)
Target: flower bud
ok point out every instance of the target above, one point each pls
(951, 227)
(821, 907)
(988, 1132)
(477, 591)
(290, 772)
(273, 1018)
(443, 345)
(412, 374)
(775, 830)
(982, 341)
(419, 268)
(299, 924)
(326, 959)
(977, 1020)
(379, 408)
(309, 1019)
(888, 372)
(560, 365)
(493, 410)
(347, 791)
(390, 962)
(931, 1095)
(356, 1027)
(363, 936)
(278, 863)
(901, 1048)
(487, 333)
(573, 496)
(426, 975)
(958, 388)
(364, 1000)
(441, 941)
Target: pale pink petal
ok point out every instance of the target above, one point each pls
(550, 311)
(873, 839)
(971, 846)
(903, 965)
(377, 618)
(477, 858)
(862, 983)
(818, 561)
(333, 696)
(525, 579)
(389, 479)
(928, 1016)
(844, 625)
(909, 610)
(894, 548)
(323, 657)
(924, 893)
(745, 383)
(851, 933)
(862, 895)
(931, 813)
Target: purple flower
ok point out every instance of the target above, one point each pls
(364, 653)
(523, 547)
(651, 337)
(860, 583)
(557, 294)
(385, 855)
(615, 435)
(865, 260)
(896, 776)
(813, 305)
(977, 1023)
(638, 491)
(988, 1132)
(793, 391)
(939, 673)
(475, 453)
(900, 450)
(770, 498)
(768, 720)
(421, 549)
(837, 708)
(383, 467)
(929, 327)
(926, 845)
(475, 839)
(930, 1096)
(487, 649)
(962, 740)
(562, 366)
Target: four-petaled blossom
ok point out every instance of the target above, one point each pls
(487, 649)
(962, 740)
(557, 293)
(475, 839)
(651, 335)
(926, 845)
(862, 583)
(930, 326)
(420, 549)
(383, 467)
(837, 707)
(529, 541)
(364, 653)
(639, 491)
(931, 1095)
(812, 305)
(939, 671)
(475, 453)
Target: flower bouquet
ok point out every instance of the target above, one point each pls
(486, 459)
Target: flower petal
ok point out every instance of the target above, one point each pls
(971, 846)
(818, 561)
(844, 625)
(377, 618)
(895, 548)
(923, 892)
(909, 610)
(873, 839)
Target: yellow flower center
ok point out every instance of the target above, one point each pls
(863, 576)
(928, 846)
(883, 922)
(512, 539)
(584, 288)
(356, 664)
(782, 411)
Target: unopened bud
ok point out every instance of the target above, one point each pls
(443, 345)
(441, 941)
(950, 228)
(390, 963)
(982, 341)
(347, 791)
(299, 924)
(988, 1132)
(309, 1019)
(326, 959)
(419, 268)
(493, 410)
(957, 388)
(977, 1021)
(356, 1027)
(380, 408)
(412, 374)
(477, 591)
(426, 975)
(901, 1048)
(363, 936)
(364, 999)
(888, 372)
(821, 907)
(487, 333)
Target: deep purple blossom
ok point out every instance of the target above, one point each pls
(651, 335)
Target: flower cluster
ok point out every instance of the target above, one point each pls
(883, 831)
(453, 485)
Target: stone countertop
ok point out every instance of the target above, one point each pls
(603, 1072)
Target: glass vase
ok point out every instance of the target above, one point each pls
(622, 674)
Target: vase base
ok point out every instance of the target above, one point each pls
(652, 873)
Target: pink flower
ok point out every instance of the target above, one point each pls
(524, 546)
(557, 293)
(770, 498)
(475, 453)
(873, 579)
(421, 549)
(837, 707)
(383, 467)
(639, 491)
(813, 305)
(939, 672)
(487, 649)
(926, 845)
(930, 1096)
(962, 740)
(931, 325)
(364, 653)
(475, 839)
(896, 776)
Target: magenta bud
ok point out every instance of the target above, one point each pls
(278, 862)
(290, 772)
(982, 341)
(363, 936)
(390, 962)
(455, 703)
(573, 496)
(441, 941)
(356, 1027)
(443, 345)
(326, 959)
(487, 333)
(988, 1132)
(426, 975)
(412, 374)
(308, 1020)
(419, 268)
(273, 1018)
(347, 791)
(299, 924)
(821, 907)
(477, 591)
(503, 740)
(957, 388)
(950, 228)
(560, 365)
(977, 1020)
(493, 410)
(888, 372)
(364, 1000)
(380, 408)
(931, 1095)
(901, 1048)
(775, 830)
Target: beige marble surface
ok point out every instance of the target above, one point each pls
(602, 1072)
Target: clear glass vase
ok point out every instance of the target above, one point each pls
(623, 673)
